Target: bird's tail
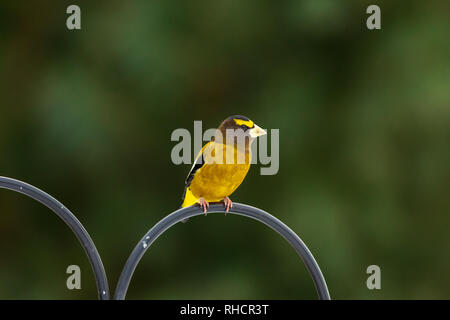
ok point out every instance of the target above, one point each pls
(188, 200)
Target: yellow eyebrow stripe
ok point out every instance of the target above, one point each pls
(248, 123)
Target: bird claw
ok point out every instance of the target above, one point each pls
(228, 204)
(204, 205)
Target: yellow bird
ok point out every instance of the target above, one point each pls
(222, 164)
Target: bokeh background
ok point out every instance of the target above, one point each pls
(364, 119)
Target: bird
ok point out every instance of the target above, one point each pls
(222, 164)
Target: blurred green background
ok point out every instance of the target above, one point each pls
(364, 119)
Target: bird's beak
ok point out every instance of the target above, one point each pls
(256, 132)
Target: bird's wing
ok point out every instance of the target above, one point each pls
(198, 163)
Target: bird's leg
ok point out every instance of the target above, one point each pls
(204, 204)
(228, 204)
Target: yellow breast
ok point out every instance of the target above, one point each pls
(215, 181)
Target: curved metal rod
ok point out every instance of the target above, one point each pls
(77, 228)
(239, 209)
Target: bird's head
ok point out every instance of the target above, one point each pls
(240, 127)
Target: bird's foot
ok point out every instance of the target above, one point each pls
(204, 204)
(228, 204)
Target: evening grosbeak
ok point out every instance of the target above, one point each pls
(222, 164)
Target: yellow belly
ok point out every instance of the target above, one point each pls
(216, 181)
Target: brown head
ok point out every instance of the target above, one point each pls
(238, 128)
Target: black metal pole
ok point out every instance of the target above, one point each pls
(77, 228)
(239, 209)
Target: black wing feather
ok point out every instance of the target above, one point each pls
(198, 164)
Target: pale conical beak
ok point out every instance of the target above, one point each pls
(257, 132)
